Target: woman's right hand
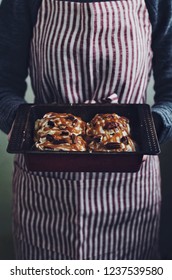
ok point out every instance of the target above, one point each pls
(158, 124)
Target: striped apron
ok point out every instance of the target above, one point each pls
(83, 52)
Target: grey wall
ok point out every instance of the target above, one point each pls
(6, 248)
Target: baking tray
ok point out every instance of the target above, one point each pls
(142, 131)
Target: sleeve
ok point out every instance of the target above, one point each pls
(162, 68)
(15, 34)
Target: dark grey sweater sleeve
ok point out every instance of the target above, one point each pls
(162, 65)
(15, 34)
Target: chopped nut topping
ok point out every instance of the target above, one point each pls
(124, 140)
(113, 145)
(97, 139)
(51, 124)
(111, 125)
(62, 126)
(49, 138)
(65, 133)
(73, 137)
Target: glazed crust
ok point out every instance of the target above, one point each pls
(66, 132)
(110, 133)
(60, 131)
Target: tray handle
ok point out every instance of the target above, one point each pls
(150, 131)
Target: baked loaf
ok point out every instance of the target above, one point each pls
(109, 133)
(66, 132)
(60, 132)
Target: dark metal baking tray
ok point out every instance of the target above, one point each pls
(142, 131)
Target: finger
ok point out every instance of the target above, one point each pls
(144, 158)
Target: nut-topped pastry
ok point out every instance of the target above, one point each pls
(110, 133)
(66, 132)
(60, 131)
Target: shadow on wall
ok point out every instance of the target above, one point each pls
(6, 249)
(6, 245)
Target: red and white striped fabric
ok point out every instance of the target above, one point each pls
(84, 52)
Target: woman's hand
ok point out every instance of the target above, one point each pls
(144, 158)
(158, 123)
(158, 126)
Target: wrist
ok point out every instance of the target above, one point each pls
(158, 123)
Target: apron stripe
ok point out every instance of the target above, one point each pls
(51, 47)
(50, 80)
(109, 52)
(72, 41)
(115, 49)
(148, 207)
(122, 49)
(132, 45)
(76, 52)
(143, 77)
(129, 218)
(126, 218)
(144, 205)
(62, 36)
(97, 19)
(102, 49)
(45, 85)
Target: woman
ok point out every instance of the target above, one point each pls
(77, 51)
